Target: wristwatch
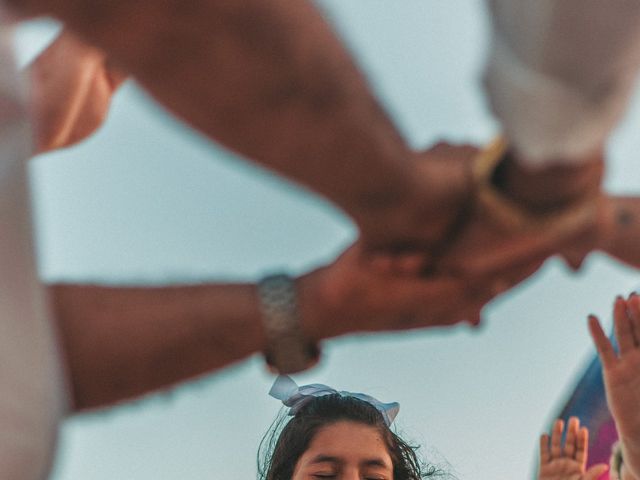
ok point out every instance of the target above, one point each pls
(288, 350)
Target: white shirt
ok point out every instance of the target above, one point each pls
(32, 393)
(560, 72)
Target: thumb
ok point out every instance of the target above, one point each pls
(594, 472)
(574, 259)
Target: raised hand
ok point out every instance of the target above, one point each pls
(72, 85)
(568, 461)
(621, 372)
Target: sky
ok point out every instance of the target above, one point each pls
(147, 200)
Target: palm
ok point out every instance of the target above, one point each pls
(622, 382)
(562, 469)
(621, 371)
(568, 461)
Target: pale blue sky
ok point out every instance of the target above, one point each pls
(148, 200)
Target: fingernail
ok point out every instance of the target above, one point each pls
(475, 322)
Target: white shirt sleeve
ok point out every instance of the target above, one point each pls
(560, 73)
(32, 386)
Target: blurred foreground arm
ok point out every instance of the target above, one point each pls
(270, 80)
(121, 343)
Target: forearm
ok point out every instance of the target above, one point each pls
(124, 342)
(121, 343)
(269, 80)
(542, 190)
(622, 230)
(631, 456)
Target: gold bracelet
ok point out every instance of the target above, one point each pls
(511, 217)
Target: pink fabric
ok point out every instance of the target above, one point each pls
(600, 448)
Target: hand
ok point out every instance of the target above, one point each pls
(352, 295)
(621, 371)
(490, 243)
(568, 462)
(433, 205)
(502, 261)
(550, 188)
(620, 229)
(355, 294)
(72, 85)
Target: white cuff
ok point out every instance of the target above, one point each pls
(547, 120)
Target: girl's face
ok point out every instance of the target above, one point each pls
(345, 451)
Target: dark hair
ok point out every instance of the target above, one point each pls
(281, 448)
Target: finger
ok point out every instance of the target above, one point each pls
(433, 302)
(575, 259)
(116, 75)
(486, 288)
(381, 263)
(473, 316)
(409, 264)
(545, 454)
(583, 446)
(556, 439)
(622, 326)
(633, 308)
(595, 472)
(572, 437)
(605, 350)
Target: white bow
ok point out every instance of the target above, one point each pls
(295, 397)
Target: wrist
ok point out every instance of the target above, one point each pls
(630, 453)
(319, 319)
(549, 189)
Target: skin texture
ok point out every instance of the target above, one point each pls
(176, 333)
(621, 372)
(300, 107)
(271, 81)
(345, 451)
(568, 461)
(287, 88)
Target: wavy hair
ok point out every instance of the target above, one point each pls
(282, 446)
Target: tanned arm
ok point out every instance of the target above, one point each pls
(270, 80)
(121, 343)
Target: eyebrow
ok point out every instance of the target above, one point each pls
(370, 462)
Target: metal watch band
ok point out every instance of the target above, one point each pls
(287, 351)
